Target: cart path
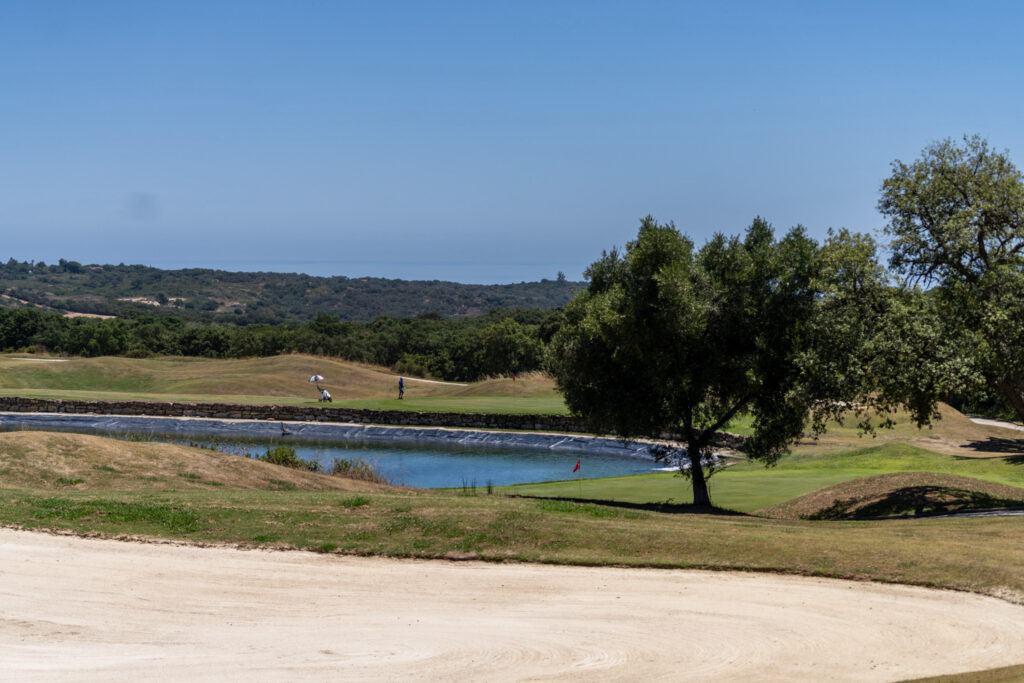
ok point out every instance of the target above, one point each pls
(997, 423)
(107, 610)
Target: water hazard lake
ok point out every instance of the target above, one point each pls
(429, 466)
(421, 465)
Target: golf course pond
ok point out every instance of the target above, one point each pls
(421, 457)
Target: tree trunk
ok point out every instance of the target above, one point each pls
(700, 482)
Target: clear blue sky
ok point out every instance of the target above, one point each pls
(471, 141)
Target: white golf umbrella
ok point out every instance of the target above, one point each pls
(316, 378)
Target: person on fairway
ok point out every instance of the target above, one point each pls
(401, 388)
(324, 396)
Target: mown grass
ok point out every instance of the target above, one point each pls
(279, 380)
(550, 405)
(749, 486)
(899, 494)
(983, 555)
(438, 404)
(144, 516)
(89, 395)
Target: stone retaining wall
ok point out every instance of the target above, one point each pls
(542, 423)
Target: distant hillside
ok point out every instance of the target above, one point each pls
(200, 293)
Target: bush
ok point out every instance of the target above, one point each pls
(357, 469)
(286, 457)
(412, 364)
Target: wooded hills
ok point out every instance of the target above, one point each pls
(261, 297)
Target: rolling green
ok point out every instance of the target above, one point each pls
(746, 487)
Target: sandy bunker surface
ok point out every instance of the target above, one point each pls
(97, 609)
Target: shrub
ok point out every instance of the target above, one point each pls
(357, 469)
(286, 457)
(416, 365)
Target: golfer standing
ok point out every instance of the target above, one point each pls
(401, 388)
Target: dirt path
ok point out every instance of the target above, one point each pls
(105, 610)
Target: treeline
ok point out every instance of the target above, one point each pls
(257, 298)
(499, 343)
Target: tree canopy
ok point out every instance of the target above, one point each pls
(956, 216)
(669, 339)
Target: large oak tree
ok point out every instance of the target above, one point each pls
(670, 340)
(956, 216)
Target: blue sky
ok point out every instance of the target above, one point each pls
(471, 141)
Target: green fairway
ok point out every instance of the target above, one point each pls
(545, 405)
(85, 395)
(440, 404)
(280, 380)
(747, 487)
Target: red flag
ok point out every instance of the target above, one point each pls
(574, 469)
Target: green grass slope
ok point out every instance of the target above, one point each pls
(277, 379)
(899, 494)
(749, 486)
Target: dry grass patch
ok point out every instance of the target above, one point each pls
(953, 434)
(898, 494)
(46, 460)
(280, 380)
(526, 385)
(284, 376)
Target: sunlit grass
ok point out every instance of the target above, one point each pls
(467, 404)
(279, 380)
(749, 486)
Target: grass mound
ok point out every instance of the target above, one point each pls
(898, 494)
(70, 462)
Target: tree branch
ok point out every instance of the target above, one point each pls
(706, 434)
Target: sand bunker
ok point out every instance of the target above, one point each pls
(104, 610)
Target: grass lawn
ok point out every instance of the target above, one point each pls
(543, 405)
(281, 380)
(440, 404)
(91, 395)
(746, 487)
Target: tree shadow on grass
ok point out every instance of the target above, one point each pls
(999, 445)
(914, 501)
(666, 507)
